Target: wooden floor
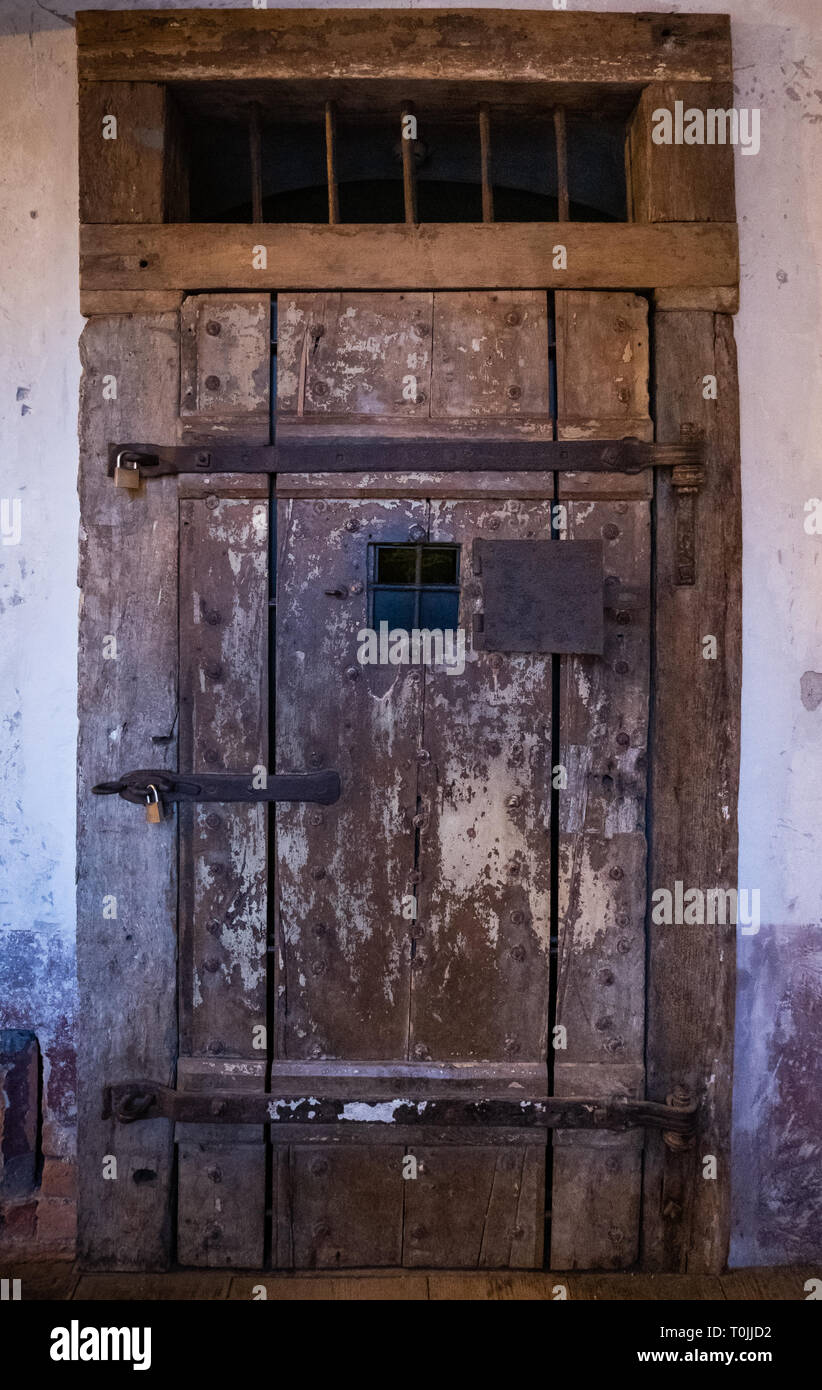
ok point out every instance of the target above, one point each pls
(62, 1280)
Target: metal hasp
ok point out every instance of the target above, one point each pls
(140, 787)
(370, 1109)
(540, 596)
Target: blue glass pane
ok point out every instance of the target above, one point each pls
(395, 607)
(439, 609)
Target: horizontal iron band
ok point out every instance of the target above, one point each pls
(393, 455)
(128, 1102)
(322, 787)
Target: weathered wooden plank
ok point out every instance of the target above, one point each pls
(122, 148)
(127, 893)
(490, 355)
(721, 299)
(176, 1286)
(769, 1285)
(498, 255)
(367, 355)
(346, 1207)
(694, 794)
(223, 727)
(602, 369)
(648, 1288)
(475, 1208)
(343, 944)
(683, 182)
(480, 980)
(225, 368)
(220, 1202)
(447, 45)
(94, 302)
(279, 1288)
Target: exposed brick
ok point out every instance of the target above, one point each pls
(59, 1179)
(56, 1222)
(18, 1221)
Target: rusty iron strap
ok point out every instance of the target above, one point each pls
(322, 787)
(143, 1100)
(392, 455)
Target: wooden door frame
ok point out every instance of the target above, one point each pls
(139, 258)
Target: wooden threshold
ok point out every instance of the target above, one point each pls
(499, 255)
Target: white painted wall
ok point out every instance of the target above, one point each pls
(778, 58)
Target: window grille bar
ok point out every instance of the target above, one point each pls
(255, 150)
(331, 162)
(409, 167)
(561, 142)
(485, 163)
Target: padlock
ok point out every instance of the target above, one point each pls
(126, 474)
(154, 806)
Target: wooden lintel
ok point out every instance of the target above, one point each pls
(716, 299)
(514, 255)
(447, 45)
(128, 301)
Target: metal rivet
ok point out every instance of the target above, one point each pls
(319, 1167)
(513, 802)
(214, 927)
(623, 740)
(218, 1107)
(215, 1174)
(607, 977)
(318, 872)
(513, 319)
(610, 532)
(518, 953)
(212, 501)
(621, 667)
(318, 968)
(317, 1050)
(623, 394)
(603, 1024)
(321, 929)
(316, 818)
(421, 1051)
(216, 869)
(319, 506)
(616, 1236)
(319, 388)
(495, 661)
(212, 383)
(518, 916)
(423, 756)
(352, 524)
(624, 945)
(213, 617)
(213, 329)
(317, 330)
(214, 673)
(315, 759)
(615, 1045)
(513, 1048)
(514, 392)
(420, 398)
(211, 755)
(419, 1232)
(416, 533)
(610, 456)
(620, 325)
(623, 618)
(213, 821)
(415, 876)
(214, 1233)
(617, 872)
(352, 673)
(421, 330)
(519, 1232)
(494, 524)
(356, 587)
(212, 965)
(202, 460)
(215, 1046)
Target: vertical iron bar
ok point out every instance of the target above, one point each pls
(561, 142)
(255, 148)
(409, 167)
(331, 162)
(485, 163)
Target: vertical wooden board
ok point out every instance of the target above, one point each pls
(223, 728)
(695, 762)
(478, 1207)
(602, 364)
(355, 354)
(682, 182)
(225, 376)
(343, 945)
(480, 980)
(122, 179)
(128, 711)
(219, 1211)
(490, 354)
(346, 1206)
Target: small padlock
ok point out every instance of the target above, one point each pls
(126, 474)
(154, 806)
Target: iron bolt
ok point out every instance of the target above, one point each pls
(624, 945)
(617, 872)
(352, 673)
(316, 818)
(518, 916)
(416, 533)
(212, 501)
(211, 755)
(213, 617)
(514, 802)
(610, 532)
(318, 872)
(214, 672)
(212, 965)
(212, 383)
(623, 740)
(514, 392)
(213, 821)
(213, 329)
(352, 524)
(518, 953)
(319, 388)
(513, 319)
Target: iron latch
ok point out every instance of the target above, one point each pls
(157, 787)
(300, 1101)
(128, 464)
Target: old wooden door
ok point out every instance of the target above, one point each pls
(468, 918)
